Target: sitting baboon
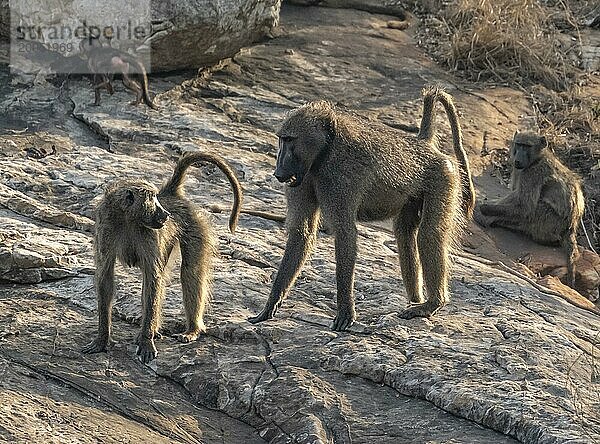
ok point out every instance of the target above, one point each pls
(140, 225)
(546, 202)
(345, 168)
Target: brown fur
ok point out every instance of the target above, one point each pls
(104, 62)
(345, 169)
(546, 202)
(140, 225)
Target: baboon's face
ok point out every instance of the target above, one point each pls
(525, 149)
(301, 140)
(140, 204)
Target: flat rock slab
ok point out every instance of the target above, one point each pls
(502, 362)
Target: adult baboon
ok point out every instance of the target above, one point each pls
(345, 168)
(104, 62)
(546, 201)
(140, 225)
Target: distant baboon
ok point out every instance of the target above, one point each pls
(140, 225)
(345, 168)
(546, 202)
(104, 62)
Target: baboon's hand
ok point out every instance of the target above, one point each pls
(97, 345)
(264, 315)
(343, 320)
(424, 310)
(146, 350)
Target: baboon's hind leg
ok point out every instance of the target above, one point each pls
(134, 86)
(196, 275)
(440, 205)
(406, 227)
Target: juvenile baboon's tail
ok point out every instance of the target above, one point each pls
(427, 132)
(175, 183)
(572, 252)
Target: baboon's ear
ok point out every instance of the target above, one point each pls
(330, 126)
(543, 141)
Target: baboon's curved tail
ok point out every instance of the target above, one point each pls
(145, 93)
(174, 185)
(427, 132)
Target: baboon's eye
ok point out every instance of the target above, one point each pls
(129, 198)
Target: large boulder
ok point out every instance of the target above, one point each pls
(192, 34)
(389, 7)
(175, 34)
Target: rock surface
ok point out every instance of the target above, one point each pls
(391, 7)
(501, 363)
(184, 34)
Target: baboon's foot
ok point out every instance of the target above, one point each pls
(98, 345)
(146, 350)
(424, 310)
(188, 336)
(264, 315)
(343, 320)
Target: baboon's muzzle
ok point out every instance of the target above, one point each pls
(290, 179)
(159, 219)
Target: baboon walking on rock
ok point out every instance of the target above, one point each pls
(104, 62)
(140, 225)
(546, 202)
(345, 169)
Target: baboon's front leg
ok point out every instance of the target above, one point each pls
(345, 261)
(152, 295)
(101, 81)
(303, 219)
(105, 291)
(507, 207)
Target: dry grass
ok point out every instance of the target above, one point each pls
(575, 111)
(533, 45)
(508, 40)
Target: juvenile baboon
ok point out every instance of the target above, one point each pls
(546, 201)
(140, 225)
(104, 62)
(345, 168)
